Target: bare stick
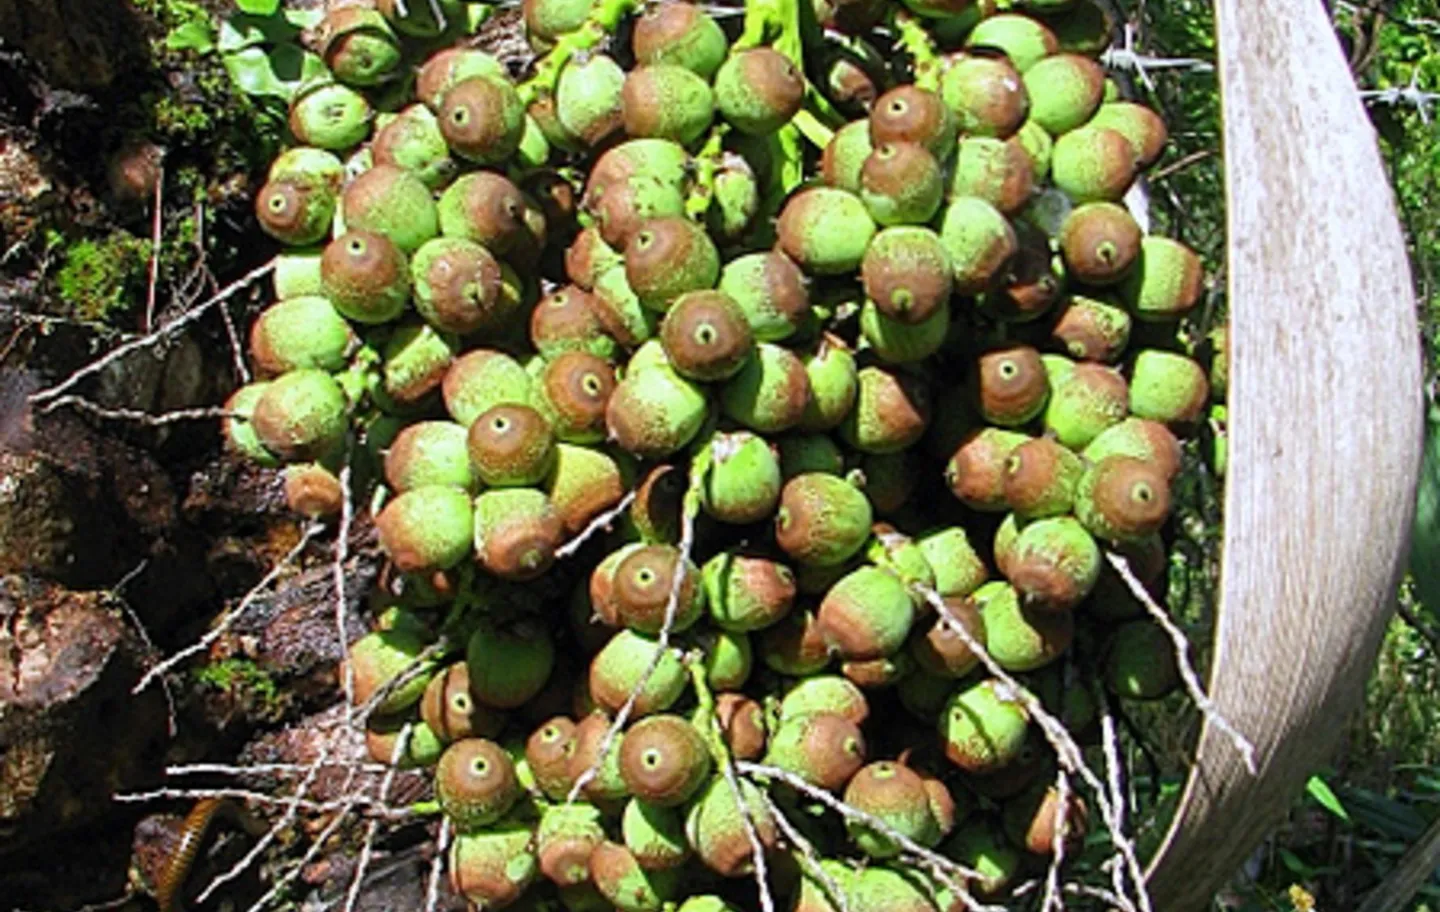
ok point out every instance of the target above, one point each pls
(292, 810)
(299, 769)
(1182, 660)
(1053, 898)
(1066, 750)
(600, 522)
(116, 592)
(953, 874)
(342, 550)
(159, 335)
(237, 354)
(372, 829)
(437, 865)
(231, 617)
(367, 805)
(677, 582)
(149, 419)
(809, 859)
(1116, 816)
(314, 849)
(747, 822)
(158, 205)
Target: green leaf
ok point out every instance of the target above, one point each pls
(242, 31)
(258, 7)
(192, 36)
(276, 73)
(1319, 789)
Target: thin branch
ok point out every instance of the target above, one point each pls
(230, 617)
(152, 338)
(342, 550)
(1053, 897)
(596, 525)
(1182, 659)
(155, 236)
(372, 829)
(808, 858)
(149, 419)
(315, 847)
(747, 823)
(437, 865)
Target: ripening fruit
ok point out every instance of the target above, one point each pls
(1054, 563)
(451, 710)
(1122, 499)
(706, 336)
(566, 321)
(794, 646)
(415, 359)
(910, 114)
(1100, 242)
(998, 171)
(958, 567)
(508, 666)
(771, 291)
(475, 783)
(655, 835)
(866, 615)
(641, 587)
(976, 470)
(429, 453)
(1024, 40)
(1040, 479)
(446, 69)
(392, 201)
(1093, 164)
(300, 332)
(481, 379)
(358, 46)
(679, 33)
(413, 140)
(365, 276)
(300, 416)
(1018, 635)
(770, 391)
(907, 273)
(741, 721)
(1166, 283)
(1032, 283)
(666, 101)
(1065, 91)
(983, 727)
(459, 287)
(330, 116)
(667, 257)
(1034, 819)
(494, 867)
(942, 651)
(716, 831)
(1011, 385)
(1148, 441)
(516, 532)
(572, 393)
(822, 519)
(758, 90)
(618, 668)
(728, 658)
(484, 207)
(564, 841)
(482, 119)
(381, 656)
(239, 431)
(1092, 329)
(822, 748)
(654, 413)
(630, 888)
(313, 490)
(845, 155)
(901, 183)
(585, 482)
(986, 94)
(979, 848)
(834, 385)
(1145, 129)
(547, 753)
(825, 230)
(896, 795)
(511, 445)
(979, 241)
(743, 481)
(892, 410)
(664, 760)
(897, 342)
(1085, 399)
(825, 693)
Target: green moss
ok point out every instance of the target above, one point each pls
(250, 687)
(104, 278)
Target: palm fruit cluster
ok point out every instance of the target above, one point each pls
(846, 400)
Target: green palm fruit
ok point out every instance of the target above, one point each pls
(743, 482)
(715, 828)
(484, 207)
(958, 567)
(448, 68)
(564, 841)
(481, 379)
(566, 321)
(979, 241)
(588, 98)
(770, 392)
(475, 783)
(547, 753)
(794, 645)
(1168, 387)
(901, 184)
(845, 156)
(459, 287)
(358, 45)
(975, 472)
(1145, 129)
(1040, 479)
(1140, 661)
(392, 201)
(825, 230)
(620, 312)
(986, 94)
(1011, 385)
(482, 119)
(897, 553)
(706, 336)
(655, 835)
(365, 277)
(706, 903)
(729, 658)
(381, 656)
(330, 116)
(822, 748)
(771, 292)
(822, 519)
(664, 760)
(239, 430)
(831, 694)
(618, 668)
(300, 416)
(413, 141)
(892, 410)
(451, 710)
(983, 727)
(415, 360)
(1055, 563)
(547, 20)
(1023, 39)
(300, 332)
(998, 171)
(745, 593)
(1122, 499)
(906, 272)
(1018, 635)
(941, 651)
(585, 482)
(509, 665)
(421, 748)
(1093, 164)
(758, 90)
(297, 210)
(1039, 147)
(1166, 282)
(666, 101)
(1092, 329)
(654, 413)
(681, 34)
(640, 589)
(494, 867)
(834, 384)
(1003, 546)
(1085, 400)
(977, 847)
(1100, 243)
(815, 894)
(910, 114)
(1148, 441)
(896, 795)
(516, 532)
(668, 257)
(297, 274)
(429, 453)
(866, 615)
(427, 528)
(1065, 91)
